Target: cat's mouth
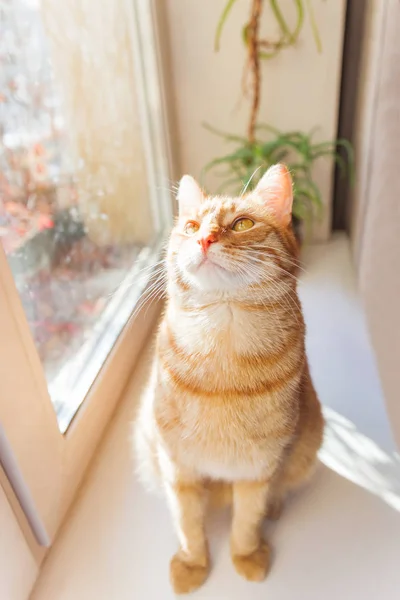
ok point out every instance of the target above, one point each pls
(208, 262)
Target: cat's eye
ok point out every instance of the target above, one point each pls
(191, 228)
(242, 224)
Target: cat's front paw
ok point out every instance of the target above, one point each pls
(254, 566)
(187, 577)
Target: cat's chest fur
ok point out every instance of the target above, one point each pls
(219, 347)
(217, 427)
(218, 331)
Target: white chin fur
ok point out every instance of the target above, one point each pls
(209, 276)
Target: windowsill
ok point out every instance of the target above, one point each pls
(335, 539)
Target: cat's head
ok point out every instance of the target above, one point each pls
(222, 244)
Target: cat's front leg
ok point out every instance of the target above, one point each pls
(190, 565)
(250, 553)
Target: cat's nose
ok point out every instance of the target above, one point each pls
(206, 241)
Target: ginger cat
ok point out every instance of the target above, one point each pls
(230, 404)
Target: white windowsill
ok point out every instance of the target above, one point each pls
(335, 540)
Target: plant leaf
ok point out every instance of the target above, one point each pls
(347, 146)
(269, 128)
(221, 23)
(227, 136)
(245, 33)
(228, 183)
(249, 161)
(286, 33)
(314, 26)
(300, 20)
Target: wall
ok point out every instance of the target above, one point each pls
(300, 88)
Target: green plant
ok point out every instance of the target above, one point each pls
(247, 163)
(255, 152)
(287, 36)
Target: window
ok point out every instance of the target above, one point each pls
(84, 206)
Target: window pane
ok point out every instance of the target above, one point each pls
(75, 214)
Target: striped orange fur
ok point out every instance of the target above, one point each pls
(230, 404)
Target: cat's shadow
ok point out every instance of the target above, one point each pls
(346, 451)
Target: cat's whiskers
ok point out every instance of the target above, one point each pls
(153, 269)
(264, 253)
(288, 294)
(251, 257)
(274, 265)
(256, 262)
(285, 298)
(156, 288)
(246, 185)
(263, 250)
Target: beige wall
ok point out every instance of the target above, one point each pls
(300, 87)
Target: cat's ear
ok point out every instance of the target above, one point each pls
(190, 196)
(275, 190)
